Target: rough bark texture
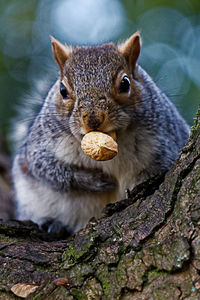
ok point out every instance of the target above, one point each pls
(145, 247)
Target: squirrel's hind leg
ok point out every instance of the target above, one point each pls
(56, 228)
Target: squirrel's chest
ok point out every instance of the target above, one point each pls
(124, 167)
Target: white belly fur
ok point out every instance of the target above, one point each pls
(36, 201)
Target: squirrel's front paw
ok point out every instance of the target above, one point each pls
(103, 182)
(56, 228)
(94, 181)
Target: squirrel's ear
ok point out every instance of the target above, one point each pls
(61, 52)
(130, 49)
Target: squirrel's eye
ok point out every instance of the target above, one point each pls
(63, 91)
(124, 85)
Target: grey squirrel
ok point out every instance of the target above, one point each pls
(99, 88)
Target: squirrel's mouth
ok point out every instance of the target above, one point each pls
(110, 133)
(80, 131)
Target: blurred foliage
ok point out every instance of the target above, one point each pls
(170, 32)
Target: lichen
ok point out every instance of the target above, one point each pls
(78, 249)
(79, 294)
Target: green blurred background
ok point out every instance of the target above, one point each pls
(171, 44)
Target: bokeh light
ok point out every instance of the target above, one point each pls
(171, 44)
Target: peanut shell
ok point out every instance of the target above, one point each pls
(99, 146)
(23, 290)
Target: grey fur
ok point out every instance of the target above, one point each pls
(54, 179)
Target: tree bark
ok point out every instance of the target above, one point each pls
(144, 247)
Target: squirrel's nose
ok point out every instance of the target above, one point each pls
(92, 121)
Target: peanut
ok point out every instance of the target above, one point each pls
(99, 146)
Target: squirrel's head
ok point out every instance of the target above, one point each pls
(98, 85)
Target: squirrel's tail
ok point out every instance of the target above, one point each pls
(26, 111)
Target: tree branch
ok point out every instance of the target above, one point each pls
(144, 247)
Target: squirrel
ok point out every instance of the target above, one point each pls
(99, 88)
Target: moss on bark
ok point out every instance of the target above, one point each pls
(144, 247)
